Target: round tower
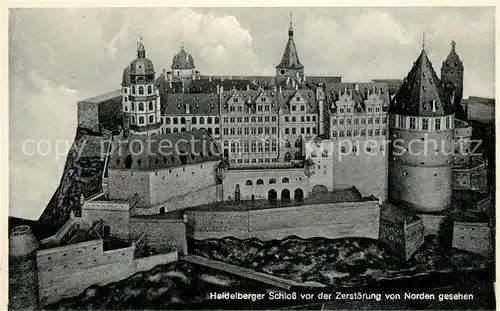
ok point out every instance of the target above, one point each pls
(23, 277)
(141, 100)
(421, 131)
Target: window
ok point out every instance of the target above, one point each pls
(209, 120)
(151, 119)
(285, 180)
(412, 123)
(202, 120)
(348, 133)
(341, 110)
(354, 149)
(183, 120)
(246, 146)
(370, 132)
(334, 134)
(384, 132)
(355, 133)
(401, 121)
(248, 182)
(334, 121)
(150, 89)
(369, 120)
(447, 125)
(437, 124)
(341, 122)
(314, 118)
(348, 121)
(425, 124)
(384, 120)
(141, 106)
(141, 120)
(377, 132)
(216, 120)
(133, 120)
(150, 105)
(341, 133)
(133, 106)
(355, 121)
(342, 149)
(286, 119)
(253, 146)
(370, 109)
(362, 120)
(286, 130)
(272, 181)
(377, 120)
(363, 133)
(141, 90)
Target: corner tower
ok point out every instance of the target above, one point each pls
(141, 100)
(452, 72)
(421, 132)
(290, 66)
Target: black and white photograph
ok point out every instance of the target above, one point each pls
(294, 157)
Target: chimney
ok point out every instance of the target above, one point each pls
(210, 78)
(222, 78)
(280, 90)
(218, 90)
(248, 87)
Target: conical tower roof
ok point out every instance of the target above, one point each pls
(290, 59)
(422, 93)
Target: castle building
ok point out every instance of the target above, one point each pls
(421, 127)
(452, 72)
(141, 102)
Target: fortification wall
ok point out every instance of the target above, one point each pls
(204, 196)
(246, 180)
(162, 234)
(123, 184)
(359, 219)
(473, 237)
(115, 214)
(147, 263)
(66, 271)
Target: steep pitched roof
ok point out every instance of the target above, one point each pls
(290, 59)
(422, 93)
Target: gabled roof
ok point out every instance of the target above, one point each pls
(286, 96)
(422, 93)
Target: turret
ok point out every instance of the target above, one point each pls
(290, 67)
(452, 73)
(141, 101)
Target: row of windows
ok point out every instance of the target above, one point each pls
(369, 109)
(260, 108)
(167, 130)
(194, 120)
(302, 119)
(284, 180)
(249, 119)
(140, 106)
(252, 146)
(263, 99)
(141, 120)
(250, 130)
(303, 130)
(140, 90)
(260, 160)
(356, 121)
(414, 123)
(363, 132)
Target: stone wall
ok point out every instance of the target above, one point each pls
(158, 186)
(414, 237)
(67, 270)
(204, 196)
(473, 237)
(239, 178)
(334, 220)
(147, 263)
(115, 214)
(161, 233)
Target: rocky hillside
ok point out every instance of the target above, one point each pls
(82, 175)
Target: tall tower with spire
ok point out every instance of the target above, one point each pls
(452, 72)
(421, 132)
(290, 67)
(141, 100)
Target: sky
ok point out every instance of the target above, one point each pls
(60, 56)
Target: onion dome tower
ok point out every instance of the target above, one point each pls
(183, 65)
(290, 66)
(452, 72)
(141, 100)
(421, 127)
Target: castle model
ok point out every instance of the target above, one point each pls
(265, 157)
